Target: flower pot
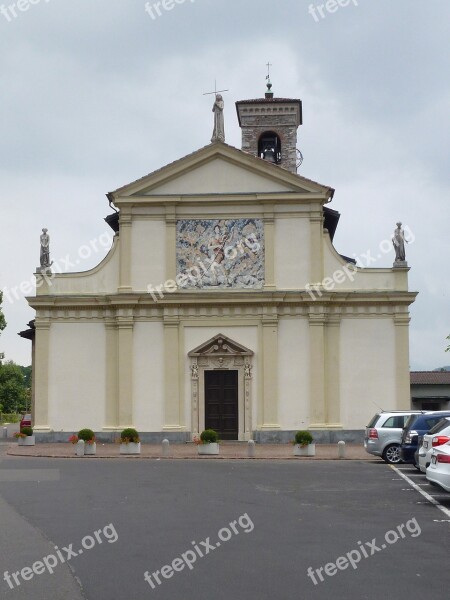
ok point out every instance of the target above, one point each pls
(130, 448)
(308, 450)
(30, 440)
(208, 448)
(90, 449)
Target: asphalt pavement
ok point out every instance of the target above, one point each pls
(224, 529)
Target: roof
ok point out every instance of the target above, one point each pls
(217, 145)
(430, 377)
(268, 100)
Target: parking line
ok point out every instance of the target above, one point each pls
(438, 505)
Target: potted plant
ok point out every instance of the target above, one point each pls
(88, 437)
(208, 443)
(130, 442)
(25, 437)
(303, 444)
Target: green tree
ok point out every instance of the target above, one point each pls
(2, 317)
(13, 390)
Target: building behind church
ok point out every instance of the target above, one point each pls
(223, 304)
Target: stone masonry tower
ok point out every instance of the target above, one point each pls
(269, 128)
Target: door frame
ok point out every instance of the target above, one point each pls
(221, 353)
(235, 399)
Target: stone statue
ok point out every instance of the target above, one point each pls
(194, 370)
(219, 124)
(45, 250)
(399, 243)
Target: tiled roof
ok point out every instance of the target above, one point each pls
(430, 377)
(261, 100)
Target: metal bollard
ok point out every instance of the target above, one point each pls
(251, 449)
(165, 447)
(5, 432)
(80, 448)
(341, 449)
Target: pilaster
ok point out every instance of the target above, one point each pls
(270, 371)
(111, 384)
(403, 390)
(317, 322)
(172, 407)
(41, 373)
(171, 243)
(125, 326)
(125, 243)
(269, 244)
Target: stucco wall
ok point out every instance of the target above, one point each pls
(77, 371)
(292, 253)
(148, 256)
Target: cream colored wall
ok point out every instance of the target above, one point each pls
(195, 335)
(294, 373)
(77, 370)
(148, 376)
(102, 279)
(368, 377)
(292, 252)
(345, 278)
(216, 175)
(148, 253)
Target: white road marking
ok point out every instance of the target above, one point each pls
(438, 505)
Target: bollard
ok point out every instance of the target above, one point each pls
(165, 447)
(341, 449)
(80, 448)
(251, 449)
(5, 432)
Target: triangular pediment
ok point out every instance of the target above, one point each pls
(219, 169)
(221, 345)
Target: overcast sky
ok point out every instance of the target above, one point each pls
(97, 94)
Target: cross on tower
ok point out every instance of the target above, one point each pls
(269, 64)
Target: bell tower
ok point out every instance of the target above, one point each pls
(269, 128)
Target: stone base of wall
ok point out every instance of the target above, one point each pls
(321, 436)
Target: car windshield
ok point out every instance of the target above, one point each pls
(442, 424)
(373, 421)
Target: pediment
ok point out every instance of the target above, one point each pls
(220, 345)
(218, 169)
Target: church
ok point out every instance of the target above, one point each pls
(222, 304)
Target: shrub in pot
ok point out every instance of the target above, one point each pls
(130, 442)
(304, 444)
(25, 437)
(88, 437)
(208, 442)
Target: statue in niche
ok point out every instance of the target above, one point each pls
(399, 243)
(219, 123)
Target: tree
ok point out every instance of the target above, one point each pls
(2, 317)
(13, 390)
(448, 347)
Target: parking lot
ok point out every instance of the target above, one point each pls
(242, 529)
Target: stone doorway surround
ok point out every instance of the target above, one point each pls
(220, 352)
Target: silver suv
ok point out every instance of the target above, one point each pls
(384, 433)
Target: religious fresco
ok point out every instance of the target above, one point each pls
(222, 253)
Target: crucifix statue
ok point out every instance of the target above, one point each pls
(219, 124)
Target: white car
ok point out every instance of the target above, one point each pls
(439, 470)
(438, 435)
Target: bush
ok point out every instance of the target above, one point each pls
(86, 435)
(129, 435)
(28, 431)
(303, 438)
(209, 436)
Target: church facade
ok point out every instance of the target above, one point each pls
(223, 304)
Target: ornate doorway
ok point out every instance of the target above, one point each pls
(221, 403)
(221, 376)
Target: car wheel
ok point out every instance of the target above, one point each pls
(391, 454)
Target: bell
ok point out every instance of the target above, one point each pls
(269, 155)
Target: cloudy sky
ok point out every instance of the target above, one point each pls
(97, 94)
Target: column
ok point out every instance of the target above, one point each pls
(403, 389)
(125, 251)
(125, 370)
(171, 243)
(270, 372)
(111, 384)
(41, 374)
(172, 412)
(317, 370)
(316, 226)
(332, 372)
(269, 245)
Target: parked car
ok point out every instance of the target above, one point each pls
(439, 470)
(25, 421)
(437, 436)
(418, 425)
(384, 432)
